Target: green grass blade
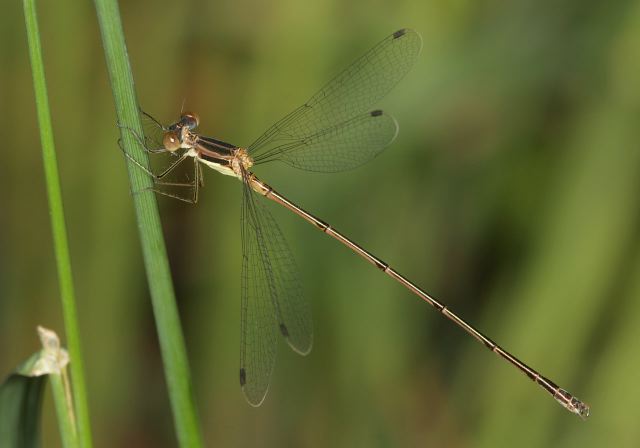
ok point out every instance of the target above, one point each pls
(58, 226)
(53, 361)
(172, 344)
(67, 432)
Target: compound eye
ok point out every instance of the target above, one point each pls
(190, 119)
(170, 141)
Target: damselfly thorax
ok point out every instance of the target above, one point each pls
(223, 157)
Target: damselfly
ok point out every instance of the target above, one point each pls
(332, 131)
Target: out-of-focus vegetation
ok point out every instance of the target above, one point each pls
(510, 195)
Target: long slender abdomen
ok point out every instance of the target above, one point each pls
(563, 397)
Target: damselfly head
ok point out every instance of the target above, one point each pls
(171, 140)
(190, 120)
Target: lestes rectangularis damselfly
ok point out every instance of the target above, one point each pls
(331, 132)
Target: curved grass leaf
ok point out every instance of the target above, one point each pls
(20, 406)
(21, 397)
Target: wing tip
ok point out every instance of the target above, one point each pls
(303, 350)
(380, 113)
(409, 31)
(252, 400)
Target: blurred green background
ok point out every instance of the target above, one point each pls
(510, 195)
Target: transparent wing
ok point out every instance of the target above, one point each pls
(347, 95)
(338, 148)
(272, 298)
(153, 132)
